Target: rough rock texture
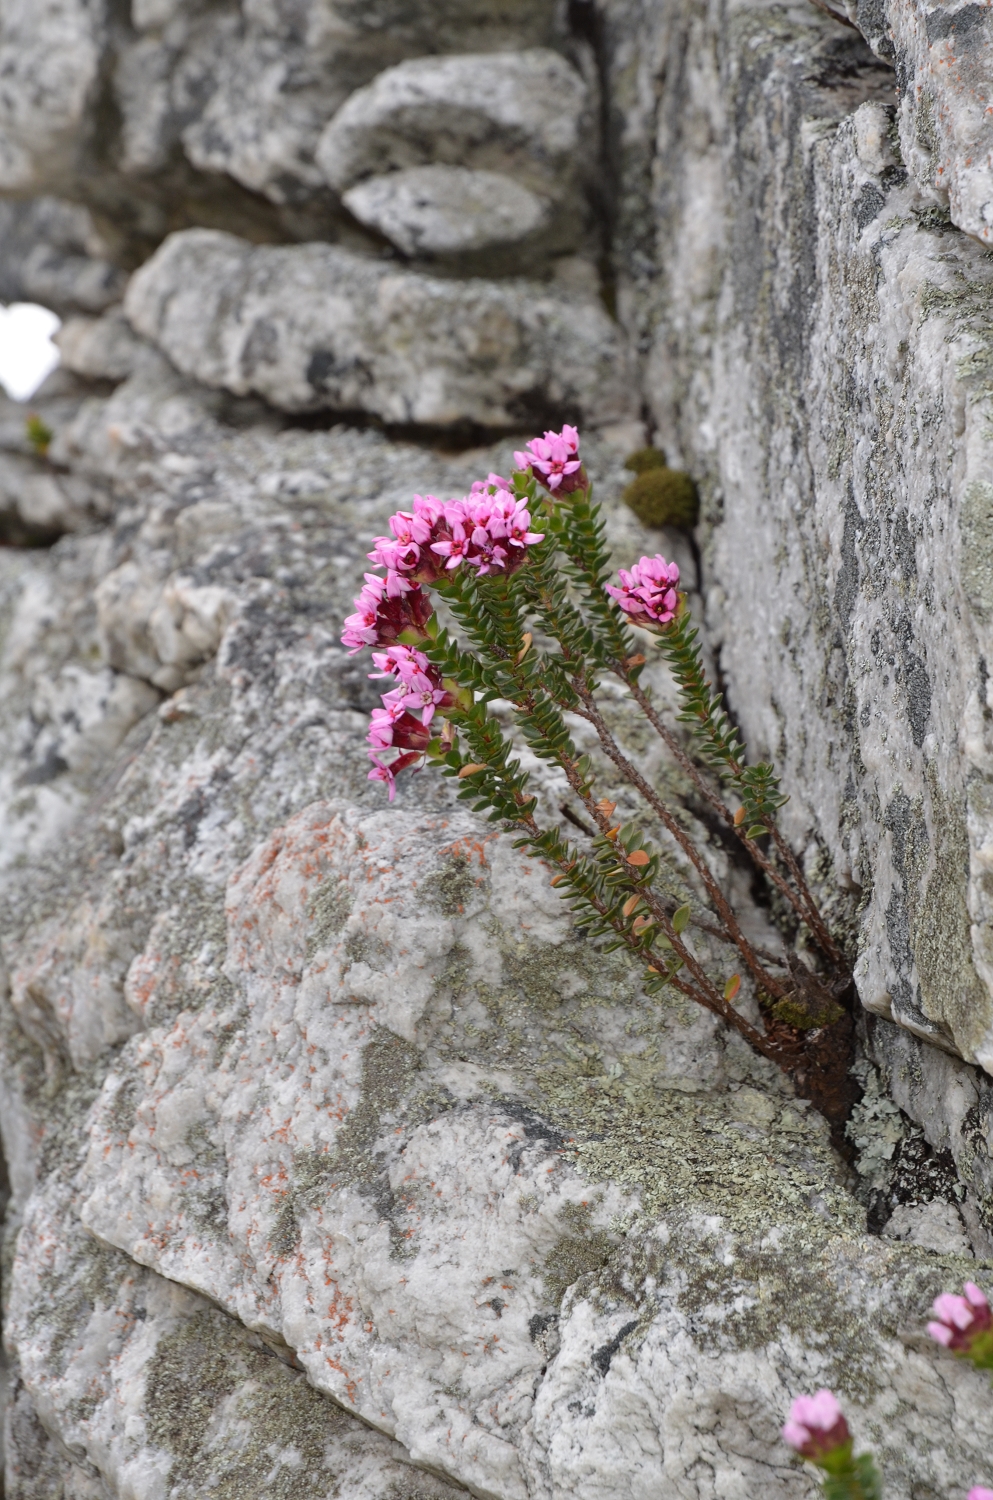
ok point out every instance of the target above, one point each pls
(339, 1164)
(315, 326)
(828, 376)
(943, 56)
(526, 116)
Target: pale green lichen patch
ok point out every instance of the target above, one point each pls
(328, 910)
(976, 523)
(452, 886)
(583, 1250)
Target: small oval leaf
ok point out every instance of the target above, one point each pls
(680, 918)
(732, 987)
(639, 859)
(472, 769)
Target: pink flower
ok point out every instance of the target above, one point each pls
(648, 593)
(482, 528)
(978, 1492)
(489, 485)
(398, 661)
(385, 609)
(388, 773)
(965, 1325)
(408, 551)
(817, 1426)
(393, 725)
(421, 694)
(554, 461)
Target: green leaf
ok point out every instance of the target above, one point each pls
(680, 918)
(756, 831)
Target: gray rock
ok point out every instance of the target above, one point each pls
(943, 56)
(527, 115)
(316, 326)
(211, 115)
(50, 56)
(420, 1140)
(175, 1399)
(51, 253)
(442, 210)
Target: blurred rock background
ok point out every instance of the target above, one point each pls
(337, 1164)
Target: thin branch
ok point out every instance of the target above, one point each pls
(631, 773)
(801, 900)
(826, 10)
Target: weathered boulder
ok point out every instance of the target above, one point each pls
(50, 55)
(441, 210)
(184, 114)
(313, 326)
(50, 252)
(526, 116)
(837, 408)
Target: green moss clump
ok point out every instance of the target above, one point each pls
(645, 459)
(661, 496)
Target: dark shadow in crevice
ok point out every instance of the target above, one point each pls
(18, 533)
(457, 437)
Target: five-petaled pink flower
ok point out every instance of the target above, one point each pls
(408, 551)
(817, 1426)
(964, 1324)
(481, 530)
(554, 461)
(648, 593)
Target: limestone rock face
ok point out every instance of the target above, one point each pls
(339, 1164)
(943, 56)
(315, 326)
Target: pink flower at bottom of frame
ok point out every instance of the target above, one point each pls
(816, 1426)
(980, 1492)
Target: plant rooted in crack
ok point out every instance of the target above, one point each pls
(523, 567)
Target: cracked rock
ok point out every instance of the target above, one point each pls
(314, 326)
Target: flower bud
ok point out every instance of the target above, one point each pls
(817, 1428)
(965, 1325)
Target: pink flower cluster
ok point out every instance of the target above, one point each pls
(817, 1426)
(403, 723)
(554, 461)
(386, 609)
(489, 529)
(964, 1324)
(648, 593)
(979, 1492)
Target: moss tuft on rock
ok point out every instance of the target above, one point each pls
(661, 496)
(644, 459)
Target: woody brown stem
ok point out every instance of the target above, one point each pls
(777, 1046)
(762, 977)
(800, 899)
